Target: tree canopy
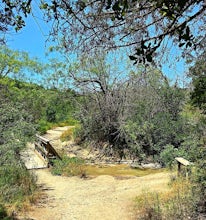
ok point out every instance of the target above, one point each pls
(198, 74)
(141, 25)
(12, 63)
(144, 26)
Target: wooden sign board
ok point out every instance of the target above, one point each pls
(183, 162)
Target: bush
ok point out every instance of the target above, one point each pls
(199, 178)
(72, 122)
(3, 213)
(67, 135)
(177, 203)
(15, 183)
(68, 167)
(78, 134)
(168, 155)
(43, 126)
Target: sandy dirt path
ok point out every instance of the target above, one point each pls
(100, 198)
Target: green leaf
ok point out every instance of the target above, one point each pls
(149, 58)
(44, 6)
(181, 44)
(133, 58)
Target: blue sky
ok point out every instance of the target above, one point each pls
(32, 39)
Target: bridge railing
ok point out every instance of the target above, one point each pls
(45, 149)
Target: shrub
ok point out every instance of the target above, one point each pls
(199, 178)
(68, 167)
(177, 203)
(168, 154)
(15, 183)
(72, 122)
(67, 135)
(3, 213)
(43, 126)
(78, 134)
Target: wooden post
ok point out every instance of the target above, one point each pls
(178, 169)
(182, 162)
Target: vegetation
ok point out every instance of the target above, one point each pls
(198, 73)
(4, 214)
(16, 128)
(26, 108)
(128, 24)
(179, 202)
(15, 64)
(115, 23)
(69, 167)
(67, 135)
(186, 199)
(136, 114)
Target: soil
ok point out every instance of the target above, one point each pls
(103, 197)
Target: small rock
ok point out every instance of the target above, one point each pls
(151, 166)
(135, 166)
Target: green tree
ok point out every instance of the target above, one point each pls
(17, 64)
(154, 119)
(198, 74)
(12, 14)
(55, 75)
(137, 114)
(198, 99)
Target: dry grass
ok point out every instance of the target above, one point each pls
(24, 206)
(175, 203)
(67, 135)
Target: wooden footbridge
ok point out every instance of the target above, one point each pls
(40, 154)
(45, 150)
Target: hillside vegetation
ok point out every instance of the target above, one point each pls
(140, 116)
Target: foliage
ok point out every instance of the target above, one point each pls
(43, 126)
(68, 167)
(46, 107)
(168, 154)
(67, 135)
(153, 131)
(198, 99)
(198, 74)
(137, 115)
(15, 183)
(179, 202)
(189, 149)
(55, 75)
(3, 213)
(13, 13)
(16, 129)
(114, 24)
(60, 106)
(16, 63)
(199, 178)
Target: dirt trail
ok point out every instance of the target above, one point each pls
(102, 198)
